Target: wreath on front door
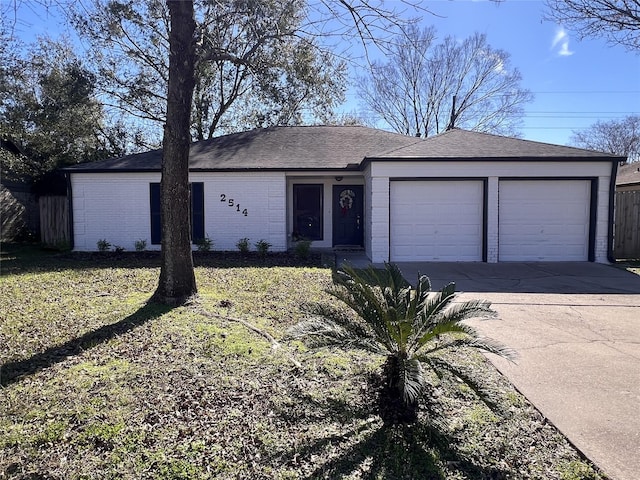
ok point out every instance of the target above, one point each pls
(346, 201)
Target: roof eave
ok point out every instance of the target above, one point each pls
(348, 168)
(110, 170)
(607, 158)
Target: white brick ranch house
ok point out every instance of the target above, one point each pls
(458, 196)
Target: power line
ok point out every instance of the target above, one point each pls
(588, 92)
(558, 116)
(551, 128)
(565, 92)
(581, 112)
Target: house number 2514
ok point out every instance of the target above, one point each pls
(231, 203)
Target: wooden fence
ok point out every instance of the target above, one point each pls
(54, 221)
(627, 225)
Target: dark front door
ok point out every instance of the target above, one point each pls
(348, 221)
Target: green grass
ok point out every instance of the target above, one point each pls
(98, 384)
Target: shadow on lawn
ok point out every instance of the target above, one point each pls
(375, 451)
(12, 372)
(18, 258)
(386, 452)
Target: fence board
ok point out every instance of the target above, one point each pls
(627, 225)
(54, 220)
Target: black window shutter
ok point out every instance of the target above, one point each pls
(156, 223)
(197, 211)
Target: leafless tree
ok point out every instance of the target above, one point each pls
(616, 20)
(424, 88)
(620, 137)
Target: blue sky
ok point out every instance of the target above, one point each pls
(575, 82)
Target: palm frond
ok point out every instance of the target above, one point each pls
(445, 328)
(367, 305)
(411, 380)
(368, 300)
(419, 296)
(428, 306)
(484, 392)
(424, 284)
(448, 318)
(490, 345)
(408, 326)
(322, 332)
(352, 324)
(390, 276)
(480, 343)
(436, 302)
(466, 310)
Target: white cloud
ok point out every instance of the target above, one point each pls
(561, 43)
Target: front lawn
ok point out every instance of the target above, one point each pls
(95, 383)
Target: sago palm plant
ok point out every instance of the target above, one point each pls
(409, 326)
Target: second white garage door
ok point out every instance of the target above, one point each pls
(544, 220)
(436, 220)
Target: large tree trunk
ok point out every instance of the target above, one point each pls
(177, 280)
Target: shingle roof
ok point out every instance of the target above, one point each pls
(628, 174)
(274, 148)
(465, 144)
(340, 147)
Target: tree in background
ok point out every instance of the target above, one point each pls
(254, 66)
(616, 20)
(423, 87)
(49, 109)
(620, 137)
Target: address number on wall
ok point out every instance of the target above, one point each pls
(231, 203)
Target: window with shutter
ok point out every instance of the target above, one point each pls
(197, 212)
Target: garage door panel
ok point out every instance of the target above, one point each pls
(544, 220)
(436, 220)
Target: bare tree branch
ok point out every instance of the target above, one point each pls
(413, 91)
(620, 137)
(618, 21)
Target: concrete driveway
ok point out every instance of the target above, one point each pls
(576, 327)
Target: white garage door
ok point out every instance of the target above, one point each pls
(544, 220)
(436, 220)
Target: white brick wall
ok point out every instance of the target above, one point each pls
(379, 219)
(116, 207)
(483, 169)
(492, 220)
(263, 195)
(379, 174)
(368, 225)
(113, 207)
(602, 230)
